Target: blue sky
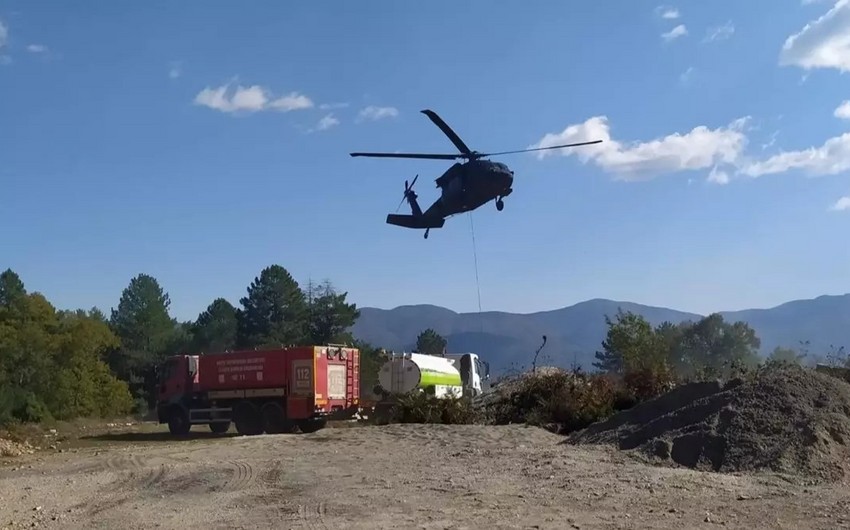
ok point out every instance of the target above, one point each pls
(200, 142)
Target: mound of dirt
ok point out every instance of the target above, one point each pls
(788, 420)
(9, 448)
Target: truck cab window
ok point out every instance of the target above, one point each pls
(465, 369)
(167, 371)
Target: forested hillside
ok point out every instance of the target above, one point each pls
(574, 333)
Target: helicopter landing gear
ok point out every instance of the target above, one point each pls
(500, 204)
(426, 232)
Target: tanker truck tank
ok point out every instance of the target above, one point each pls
(411, 371)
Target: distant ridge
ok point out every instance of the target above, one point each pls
(575, 332)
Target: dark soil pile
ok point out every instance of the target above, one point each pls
(789, 420)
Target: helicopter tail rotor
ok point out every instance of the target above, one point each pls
(410, 197)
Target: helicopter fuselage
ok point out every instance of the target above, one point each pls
(467, 186)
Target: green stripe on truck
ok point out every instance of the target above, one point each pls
(429, 378)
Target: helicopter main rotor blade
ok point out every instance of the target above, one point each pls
(408, 155)
(438, 121)
(543, 148)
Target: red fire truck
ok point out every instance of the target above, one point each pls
(272, 391)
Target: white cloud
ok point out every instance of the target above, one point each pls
(4, 34)
(720, 32)
(770, 143)
(376, 113)
(843, 110)
(718, 176)
(331, 106)
(667, 13)
(841, 204)
(175, 71)
(685, 77)
(249, 99)
(831, 158)
(37, 48)
(822, 43)
(675, 33)
(701, 148)
(327, 122)
(291, 101)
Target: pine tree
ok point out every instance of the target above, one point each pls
(275, 312)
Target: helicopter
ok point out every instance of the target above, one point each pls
(464, 186)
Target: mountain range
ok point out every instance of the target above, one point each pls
(575, 333)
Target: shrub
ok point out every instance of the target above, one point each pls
(561, 401)
(21, 406)
(581, 402)
(418, 407)
(648, 383)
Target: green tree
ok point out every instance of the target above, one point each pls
(630, 344)
(51, 362)
(371, 360)
(275, 311)
(141, 320)
(11, 288)
(712, 347)
(670, 336)
(216, 328)
(27, 349)
(83, 385)
(147, 333)
(786, 356)
(181, 339)
(430, 342)
(97, 314)
(330, 316)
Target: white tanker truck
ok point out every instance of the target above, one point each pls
(458, 374)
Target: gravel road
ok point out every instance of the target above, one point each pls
(397, 476)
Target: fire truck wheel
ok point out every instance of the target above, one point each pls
(247, 418)
(220, 427)
(274, 419)
(178, 421)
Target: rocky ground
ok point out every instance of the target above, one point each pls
(396, 476)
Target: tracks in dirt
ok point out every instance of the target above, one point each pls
(127, 485)
(313, 516)
(136, 479)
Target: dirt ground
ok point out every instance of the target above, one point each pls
(396, 476)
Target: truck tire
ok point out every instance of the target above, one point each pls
(178, 420)
(274, 419)
(247, 418)
(220, 427)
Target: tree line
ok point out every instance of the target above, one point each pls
(708, 347)
(63, 364)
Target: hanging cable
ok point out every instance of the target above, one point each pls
(477, 281)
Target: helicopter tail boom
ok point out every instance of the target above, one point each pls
(415, 221)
